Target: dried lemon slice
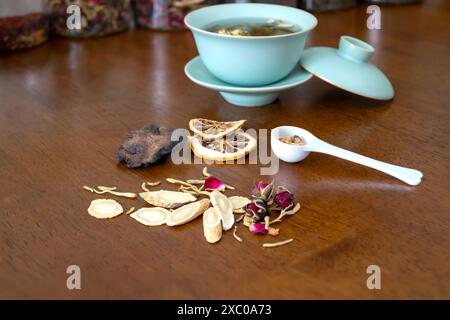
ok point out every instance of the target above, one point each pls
(231, 147)
(210, 129)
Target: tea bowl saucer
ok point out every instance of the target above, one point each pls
(239, 95)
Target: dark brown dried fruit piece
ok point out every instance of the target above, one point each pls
(145, 146)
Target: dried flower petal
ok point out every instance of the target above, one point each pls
(258, 228)
(284, 199)
(273, 231)
(212, 183)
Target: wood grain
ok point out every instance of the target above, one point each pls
(66, 106)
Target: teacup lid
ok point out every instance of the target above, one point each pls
(348, 68)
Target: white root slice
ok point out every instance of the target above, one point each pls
(212, 226)
(144, 187)
(236, 236)
(187, 213)
(239, 202)
(130, 210)
(286, 213)
(154, 184)
(167, 199)
(88, 188)
(195, 181)
(151, 216)
(176, 181)
(277, 244)
(205, 172)
(105, 208)
(103, 188)
(224, 209)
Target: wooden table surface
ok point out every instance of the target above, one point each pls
(66, 106)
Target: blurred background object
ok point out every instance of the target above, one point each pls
(98, 18)
(23, 24)
(26, 23)
(393, 1)
(326, 5)
(165, 14)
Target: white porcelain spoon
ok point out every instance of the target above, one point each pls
(294, 153)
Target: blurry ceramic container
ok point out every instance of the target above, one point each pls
(98, 17)
(326, 5)
(23, 24)
(165, 14)
(393, 1)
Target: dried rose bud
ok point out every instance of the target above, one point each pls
(263, 190)
(284, 199)
(212, 184)
(257, 209)
(258, 228)
(258, 188)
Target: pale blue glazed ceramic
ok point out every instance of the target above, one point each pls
(348, 68)
(244, 96)
(249, 61)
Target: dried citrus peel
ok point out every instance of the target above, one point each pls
(226, 150)
(211, 129)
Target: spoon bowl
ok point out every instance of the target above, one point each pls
(295, 153)
(288, 152)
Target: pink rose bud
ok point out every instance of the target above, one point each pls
(212, 184)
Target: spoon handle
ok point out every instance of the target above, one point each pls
(410, 176)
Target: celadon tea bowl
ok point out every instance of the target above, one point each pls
(249, 60)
